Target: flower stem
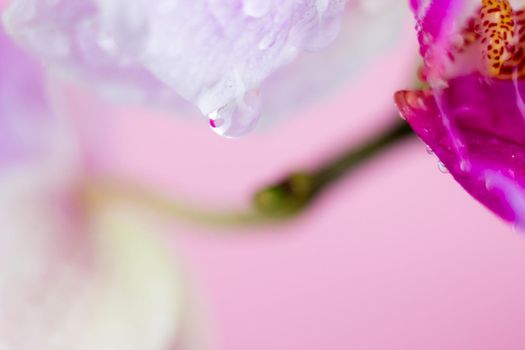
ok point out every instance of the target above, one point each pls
(101, 191)
(280, 201)
(294, 193)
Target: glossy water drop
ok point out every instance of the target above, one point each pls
(442, 167)
(267, 41)
(488, 183)
(238, 117)
(465, 165)
(429, 150)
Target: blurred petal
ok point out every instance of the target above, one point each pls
(71, 281)
(138, 298)
(25, 119)
(73, 276)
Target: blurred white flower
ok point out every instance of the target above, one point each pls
(73, 275)
(77, 280)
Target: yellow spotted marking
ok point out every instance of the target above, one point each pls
(497, 30)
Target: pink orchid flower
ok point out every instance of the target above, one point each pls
(472, 114)
(72, 275)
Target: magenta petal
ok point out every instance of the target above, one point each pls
(436, 16)
(477, 129)
(435, 20)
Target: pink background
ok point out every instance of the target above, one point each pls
(394, 257)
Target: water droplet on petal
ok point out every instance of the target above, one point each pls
(238, 117)
(465, 165)
(442, 168)
(488, 183)
(267, 41)
(429, 150)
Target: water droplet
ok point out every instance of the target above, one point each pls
(267, 41)
(402, 116)
(429, 150)
(442, 167)
(465, 165)
(238, 117)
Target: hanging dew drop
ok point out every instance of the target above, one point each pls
(266, 41)
(429, 150)
(238, 117)
(215, 120)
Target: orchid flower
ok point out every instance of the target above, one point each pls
(225, 58)
(472, 114)
(73, 275)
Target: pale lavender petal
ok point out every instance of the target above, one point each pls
(84, 280)
(208, 52)
(25, 117)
